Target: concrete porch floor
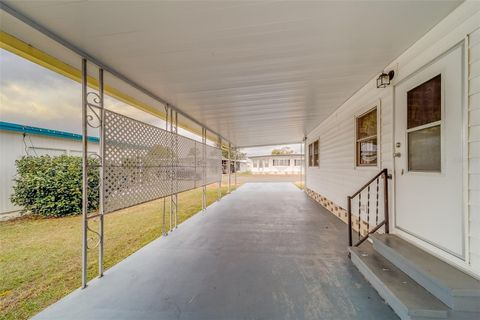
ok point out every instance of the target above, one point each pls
(266, 251)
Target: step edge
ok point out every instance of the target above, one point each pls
(434, 281)
(426, 313)
(452, 292)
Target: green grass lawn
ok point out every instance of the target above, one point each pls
(40, 258)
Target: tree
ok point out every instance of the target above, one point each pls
(239, 155)
(281, 151)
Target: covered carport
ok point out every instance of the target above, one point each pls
(266, 251)
(241, 74)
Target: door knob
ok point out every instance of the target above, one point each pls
(397, 155)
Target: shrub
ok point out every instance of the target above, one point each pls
(51, 186)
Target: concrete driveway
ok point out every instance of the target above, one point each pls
(266, 251)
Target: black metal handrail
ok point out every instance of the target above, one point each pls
(375, 179)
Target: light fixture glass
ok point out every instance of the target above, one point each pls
(384, 79)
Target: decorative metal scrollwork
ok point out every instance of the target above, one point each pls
(95, 160)
(94, 119)
(93, 240)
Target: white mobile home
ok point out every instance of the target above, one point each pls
(277, 164)
(424, 127)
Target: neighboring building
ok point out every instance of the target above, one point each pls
(243, 166)
(225, 164)
(20, 140)
(277, 164)
(235, 166)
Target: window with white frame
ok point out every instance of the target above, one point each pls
(281, 162)
(366, 139)
(313, 154)
(298, 162)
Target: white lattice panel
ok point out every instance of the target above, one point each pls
(214, 164)
(185, 167)
(143, 162)
(137, 162)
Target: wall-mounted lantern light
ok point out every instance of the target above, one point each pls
(384, 79)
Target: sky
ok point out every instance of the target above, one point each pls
(35, 96)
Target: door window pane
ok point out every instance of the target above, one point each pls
(424, 103)
(424, 150)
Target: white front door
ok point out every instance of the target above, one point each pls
(429, 154)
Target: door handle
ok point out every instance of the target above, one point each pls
(397, 154)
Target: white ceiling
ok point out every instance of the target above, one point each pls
(256, 72)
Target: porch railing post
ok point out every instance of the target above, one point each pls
(385, 201)
(349, 208)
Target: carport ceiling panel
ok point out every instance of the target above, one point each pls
(235, 65)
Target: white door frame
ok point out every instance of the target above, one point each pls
(463, 264)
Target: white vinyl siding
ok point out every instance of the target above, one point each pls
(338, 177)
(474, 148)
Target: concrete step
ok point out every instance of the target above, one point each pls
(453, 287)
(406, 297)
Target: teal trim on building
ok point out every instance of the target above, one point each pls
(8, 126)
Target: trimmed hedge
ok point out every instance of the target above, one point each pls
(51, 186)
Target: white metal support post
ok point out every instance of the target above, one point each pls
(175, 196)
(173, 168)
(164, 225)
(235, 159)
(305, 163)
(229, 167)
(84, 173)
(93, 116)
(101, 203)
(221, 169)
(204, 169)
(301, 162)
